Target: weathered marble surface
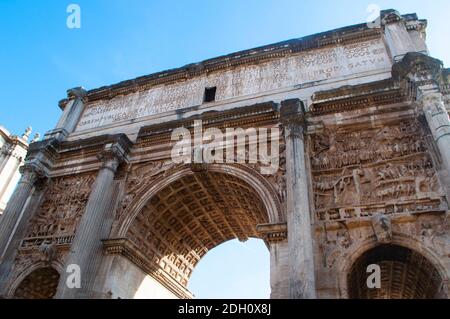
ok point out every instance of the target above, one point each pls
(306, 67)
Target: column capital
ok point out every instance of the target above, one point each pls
(293, 117)
(419, 68)
(31, 173)
(112, 155)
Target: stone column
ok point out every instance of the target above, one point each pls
(73, 107)
(9, 255)
(439, 123)
(95, 225)
(301, 258)
(14, 210)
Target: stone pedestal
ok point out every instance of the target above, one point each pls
(301, 257)
(95, 225)
(402, 36)
(73, 107)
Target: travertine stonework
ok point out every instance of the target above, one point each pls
(363, 177)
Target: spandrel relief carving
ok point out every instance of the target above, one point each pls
(374, 170)
(434, 232)
(334, 243)
(140, 176)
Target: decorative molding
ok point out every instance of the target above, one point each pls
(420, 68)
(390, 16)
(350, 98)
(235, 117)
(273, 233)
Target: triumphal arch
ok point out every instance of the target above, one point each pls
(355, 173)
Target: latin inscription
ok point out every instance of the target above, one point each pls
(306, 67)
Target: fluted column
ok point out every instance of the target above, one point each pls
(13, 212)
(438, 122)
(301, 262)
(86, 249)
(10, 253)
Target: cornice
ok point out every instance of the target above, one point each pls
(273, 233)
(13, 139)
(93, 144)
(235, 117)
(349, 98)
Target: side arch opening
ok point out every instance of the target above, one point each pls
(405, 274)
(39, 284)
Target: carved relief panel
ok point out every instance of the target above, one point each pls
(389, 169)
(60, 212)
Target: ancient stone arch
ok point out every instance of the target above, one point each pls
(358, 155)
(178, 218)
(407, 256)
(39, 282)
(405, 274)
(147, 189)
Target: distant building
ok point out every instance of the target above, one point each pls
(13, 150)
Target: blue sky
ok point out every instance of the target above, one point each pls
(40, 58)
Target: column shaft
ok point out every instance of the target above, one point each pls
(16, 238)
(279, 270)
(12, 214)
(86, 250)
(301, 268)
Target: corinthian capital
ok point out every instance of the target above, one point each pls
(31, 173)
(112, 156)
(293, 117)
(419, 68)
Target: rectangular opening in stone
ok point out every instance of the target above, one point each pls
(210, 94)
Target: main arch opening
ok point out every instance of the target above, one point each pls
(40, 284)
(405, 274)
(233, 270)
(190, 217)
